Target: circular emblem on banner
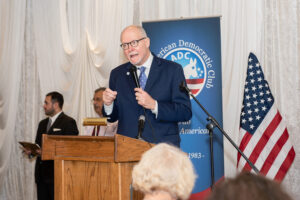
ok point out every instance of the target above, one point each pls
(193, 67)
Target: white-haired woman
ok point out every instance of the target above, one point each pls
(164, 173)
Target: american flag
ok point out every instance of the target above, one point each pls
(264, 138)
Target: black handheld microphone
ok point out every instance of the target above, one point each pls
(141, 127)
(134, 75)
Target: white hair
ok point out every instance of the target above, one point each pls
(167, 168)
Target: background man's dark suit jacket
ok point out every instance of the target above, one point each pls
(44, 170)
(163, 85)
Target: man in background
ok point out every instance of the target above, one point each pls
(158, 101)
(108, 130)
(57, 123)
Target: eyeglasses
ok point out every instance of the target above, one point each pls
(96, 100)
(133, 43)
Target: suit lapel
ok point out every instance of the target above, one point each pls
(153, 74)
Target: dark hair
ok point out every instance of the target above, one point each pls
(248, 186)
(100, 89)
(56, 97)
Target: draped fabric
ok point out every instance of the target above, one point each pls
(71, 46)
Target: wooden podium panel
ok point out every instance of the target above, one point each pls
(93, 168)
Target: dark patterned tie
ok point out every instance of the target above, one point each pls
(49, 124)
(142, 77)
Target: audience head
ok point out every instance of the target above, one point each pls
(248, 186)
(53, 103)
(164, 172)
(98, 100)
(135, 44)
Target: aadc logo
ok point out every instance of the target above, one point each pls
(195, 62)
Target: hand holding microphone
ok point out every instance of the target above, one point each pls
(144, 99)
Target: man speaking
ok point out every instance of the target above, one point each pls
(145, 91)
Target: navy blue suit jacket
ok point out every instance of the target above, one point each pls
(162, 85)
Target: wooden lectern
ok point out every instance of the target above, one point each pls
(93, 168)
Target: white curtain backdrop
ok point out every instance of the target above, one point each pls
(72, 45)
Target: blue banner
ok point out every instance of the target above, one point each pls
(196, 45)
